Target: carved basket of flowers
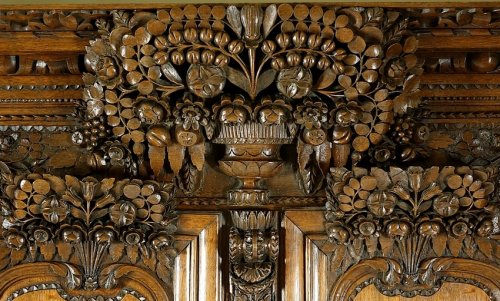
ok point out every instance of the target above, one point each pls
(253, 139)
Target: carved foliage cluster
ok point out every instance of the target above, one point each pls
(32, 20)
(89, 223)
(408, 216)
(343, 73)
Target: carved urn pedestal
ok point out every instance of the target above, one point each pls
(252, 154)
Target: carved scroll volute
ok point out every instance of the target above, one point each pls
(397, 226)
(253, 254)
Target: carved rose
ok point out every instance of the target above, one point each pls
(41, 235)
(311, 114)
(54, 210)
(429, 228)
(367, 228)
(394, 72)
(295, 82)
(107, 73)
(122, 214)
(72, 235)
(446, 204)
(206, 81)
(381, 203)
(486, 228)
(14, 239)
(460, 229)
(191, 115)
(399, 228)
(133, 237)
(150, 111)
(347, 114)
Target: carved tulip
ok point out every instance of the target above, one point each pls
(251, 19)
(72, 235)
(161, 241)
(15, 240)
(486, 228)
(429, 228)
(338, 234)
(104, 236)
(398, 228)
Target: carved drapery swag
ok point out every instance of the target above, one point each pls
(163, 88)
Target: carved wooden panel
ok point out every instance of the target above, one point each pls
(249, 152)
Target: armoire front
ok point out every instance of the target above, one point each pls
(248, 152)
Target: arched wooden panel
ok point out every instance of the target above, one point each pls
(449, 291)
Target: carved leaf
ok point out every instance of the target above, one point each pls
(64, 250)
(163, 268)
(197, 153)
(171, 73)
(133, 253)
(371, 245)
(326, 79)
(484, 245)
(455, 245)
(337, 257)
(175, 156)
(237, 78)
(265, 80)
(189, 177)
(270, 16)
(439, 243)
(234, 18)
(116, 251)
(156, 156)
(386, 243)
(4, 262)
(48, 250)
(16, 256)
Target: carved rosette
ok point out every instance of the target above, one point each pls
(253, 252)
(90, 225)
(407, 218)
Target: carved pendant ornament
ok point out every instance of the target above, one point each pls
(206, 107)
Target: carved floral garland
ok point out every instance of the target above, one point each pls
(90, 224)
(340, 74)
(408, 217)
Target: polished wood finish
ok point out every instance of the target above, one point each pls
(291, 151)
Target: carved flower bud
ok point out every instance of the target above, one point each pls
(15, 240)
(161, 42)
(133, 237)
(193, 56)
(323, 63)
(367, 228)
(72, 235)
(459, 229)
(41, 235)
(339, 54)
(398, 228)
(283, 40)
(314, 41)
(207, 57)
(191, 35)
(293, 59)
(161, 241)
(429, 228)
(221, 39)
(338, 234)
(408, 153)
(185, 138)
(221, 60)
(486, 228)
(338, 68)
(235, 47)
(251, 19)
(309, 61)
(268, 47)
(104, 236)
(175, 37)
(177, 57)
(341, 135)
(278, 64)
(299, 39)
(206, 35)
(158, 136)
(328, 46)
(314, 136)
(150, 112)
